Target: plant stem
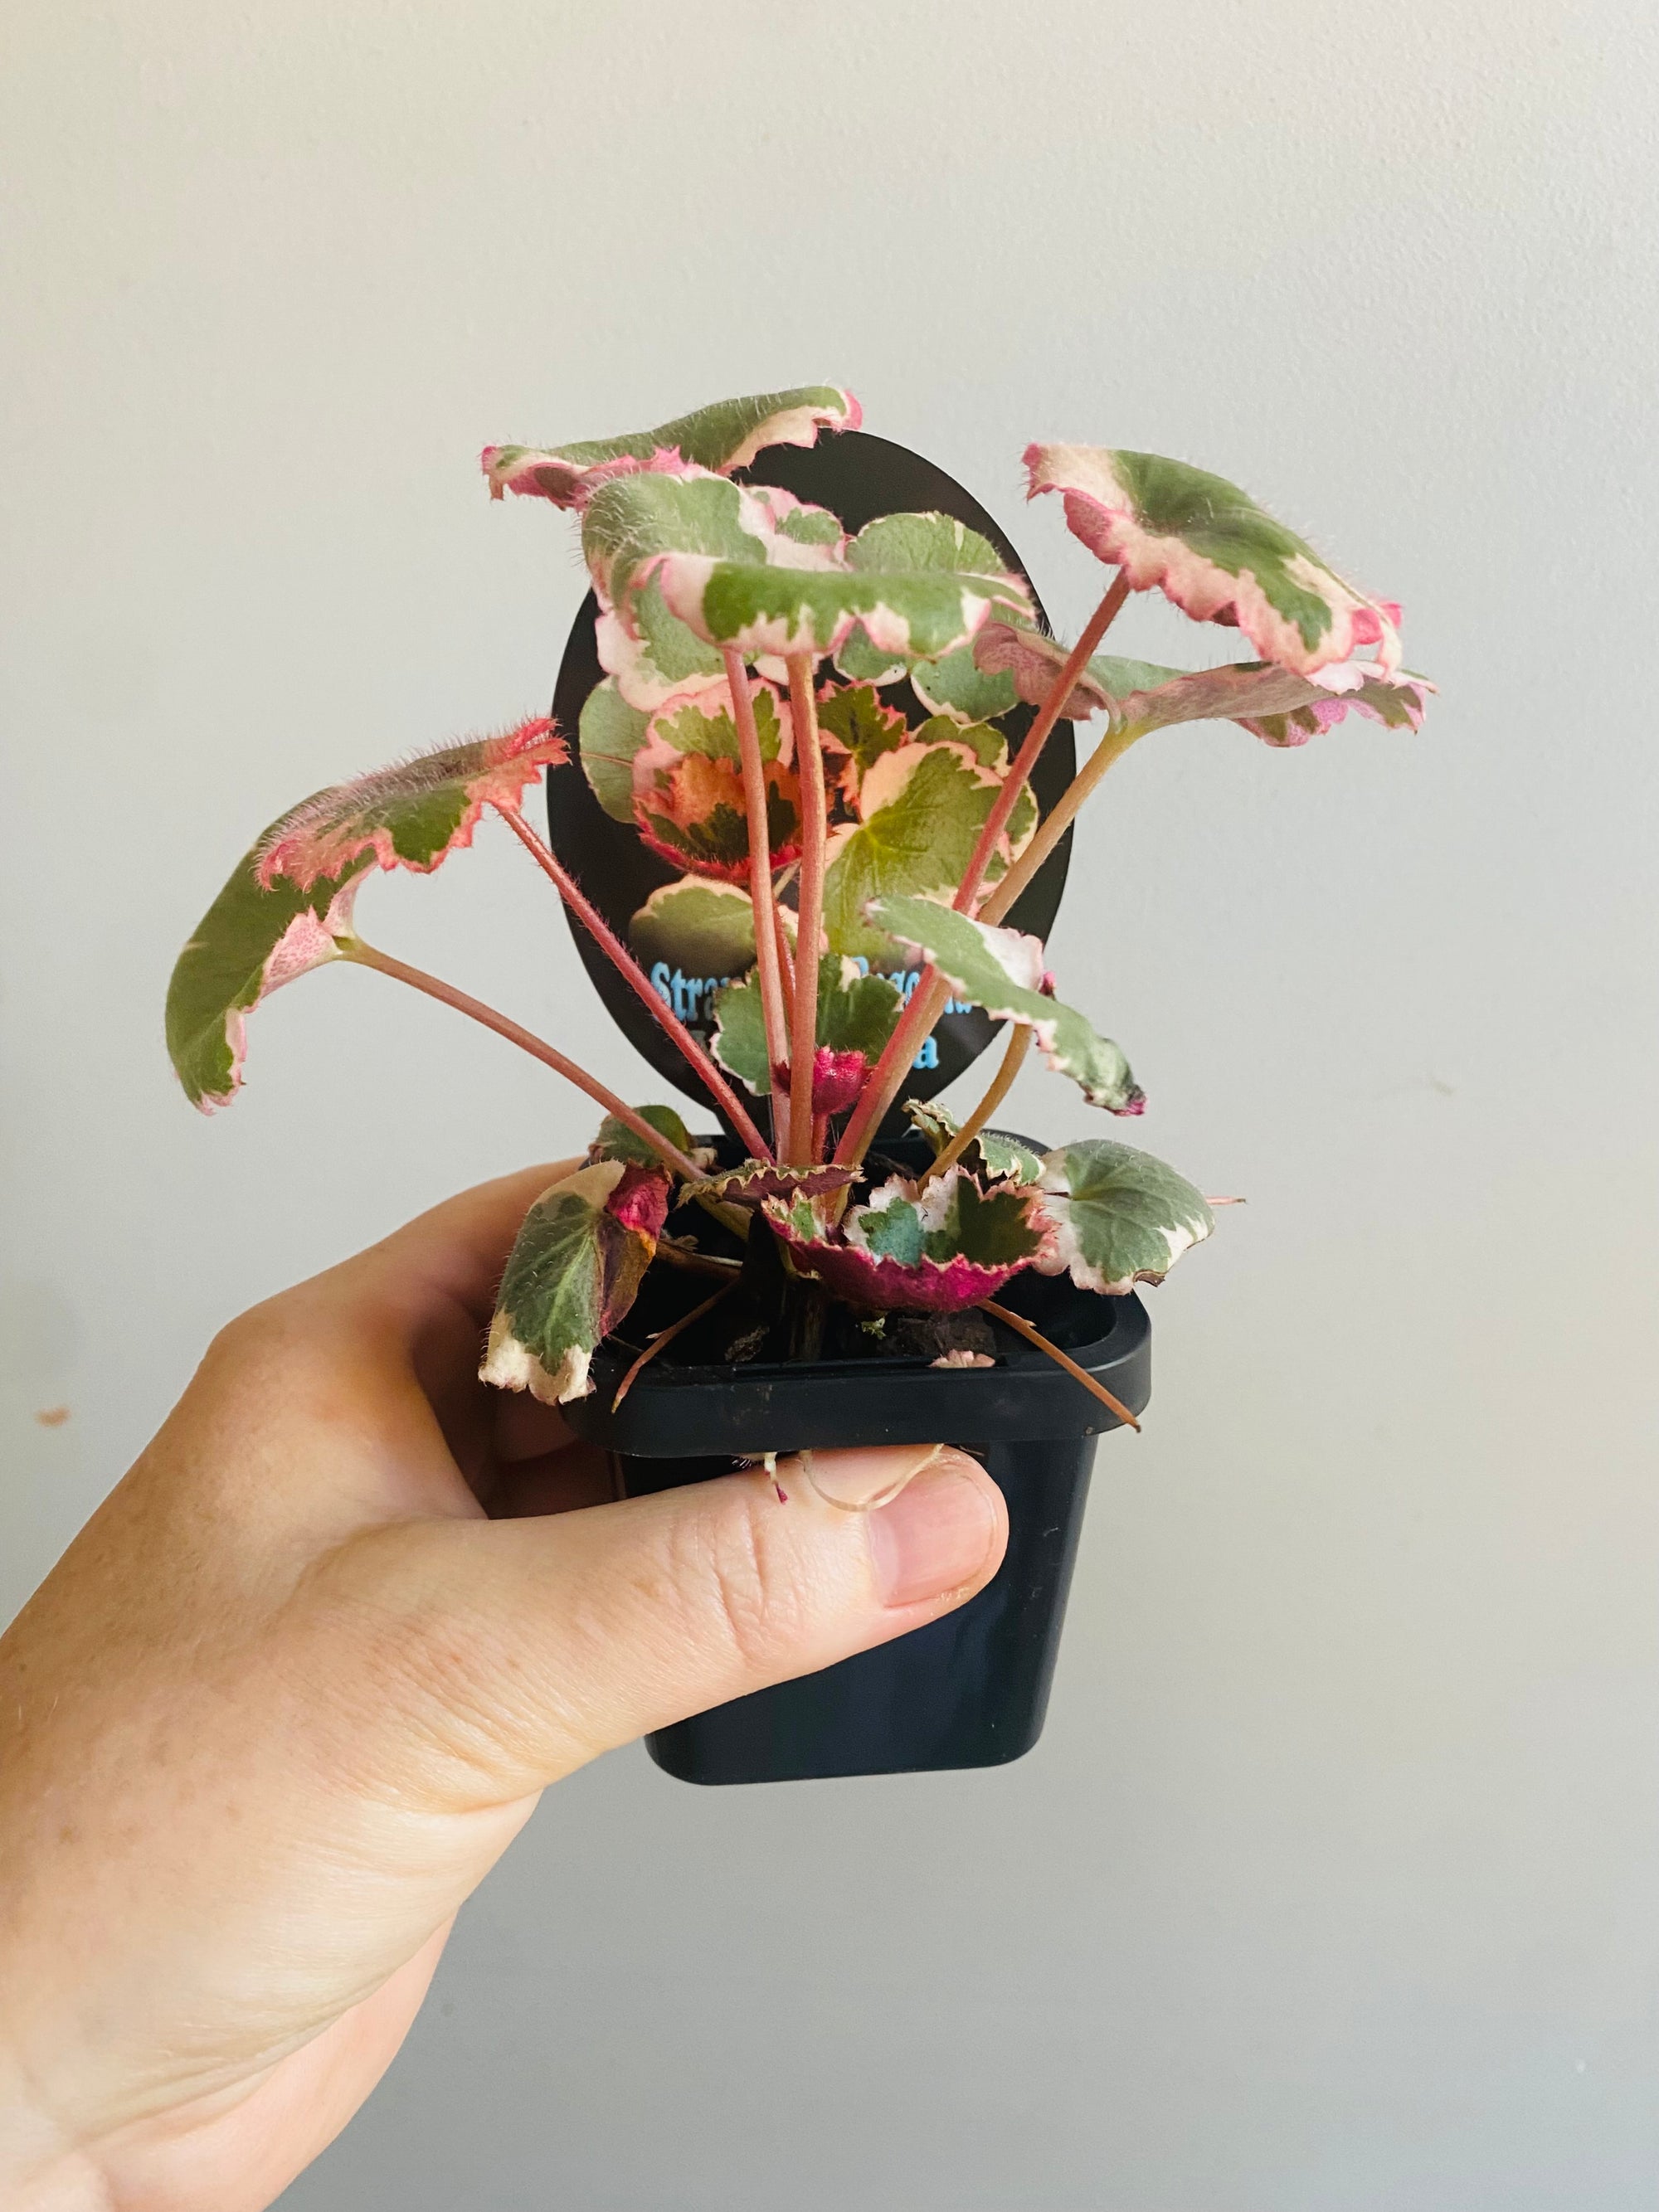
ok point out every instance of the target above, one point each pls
(665, 1337)
(927, 1000)
(1020, 1043)
(760, 883)
(1035, 737)
(628, 969)
(1022, 1328)
(889, 1071)
(804, 1041)
(1112, 747)
(370, 956)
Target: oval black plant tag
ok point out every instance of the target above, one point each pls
(679, 946)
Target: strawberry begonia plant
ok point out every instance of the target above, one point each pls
(851, 874)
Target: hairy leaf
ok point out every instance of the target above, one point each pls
(249, 943)
(727, 435)
(573, 1271)
(1220, 556)
(1398, 704)
(934, 1249)
(1001, 969)
(412, 815)
(697, 925)
(991, 1157)
(1118, 1217)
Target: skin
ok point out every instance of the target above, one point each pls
(303, 1676)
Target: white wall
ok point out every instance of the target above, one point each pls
(1330, 1887)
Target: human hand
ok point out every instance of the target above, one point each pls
(301, 1679)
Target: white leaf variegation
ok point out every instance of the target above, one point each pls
(1001, 969)
(727, 435)
(1117, 1217)
(1277, 704)
(1216, 553)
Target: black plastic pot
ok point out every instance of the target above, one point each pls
(969, 1690)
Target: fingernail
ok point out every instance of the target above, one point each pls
(935, 1536)
(857, 1481)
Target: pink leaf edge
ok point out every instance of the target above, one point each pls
(1105, 522)
(325, 833)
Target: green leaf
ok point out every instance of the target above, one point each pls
(696, 925)
(727, 435)
(608, 735)
(1001, 969)
(573, 1273)
(858, 661)
(249, 942)
(1216, 553)
(617, 1141)
(923, 807)
(1118, 1217)
(894, 543)
(738, 1042)
(857, 1013)
(412, 815)
(958, 686)
(991, 1156)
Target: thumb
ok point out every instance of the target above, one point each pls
(522, 1648)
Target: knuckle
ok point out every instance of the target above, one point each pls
(738, 1585)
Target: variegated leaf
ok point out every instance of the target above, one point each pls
(412, 815)
(991, 1157)
(249, 942)
(921, 808)
(779, 609)
(934, 1248)
(1118, 1217)
(1001, 969)
(635, 526)
(697, 925)
(656, 658)
(727, 435)
(575, 1271)
(855, 723)
(1271, 702)
(752, 1183)
(688, 790)
(1219, 556)
(961, 686)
